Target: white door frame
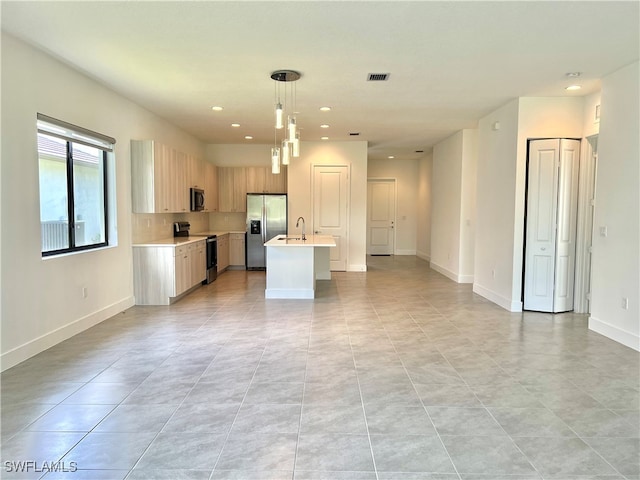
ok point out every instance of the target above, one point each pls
(540, 222)
(550, 248)
(348, 200)
(584, 237)
(395, 207)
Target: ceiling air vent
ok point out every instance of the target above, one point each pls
(354, 134)
(378, 77)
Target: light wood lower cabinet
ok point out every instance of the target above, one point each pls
(236, 249)
(223, 252)
(163, 272)
(198, 257)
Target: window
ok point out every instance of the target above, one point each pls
(73, 165)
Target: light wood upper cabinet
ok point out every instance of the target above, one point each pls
(261, 180)
(276, 183)
(210, 187)
(158, 178)
(196, 172)
(256, 179)
(151, 177)
(232, 189)
(180, 187)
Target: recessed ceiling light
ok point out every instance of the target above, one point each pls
(325, 109)
(235, 125)
(573, 74)
(573, 87)
(248, 137)
(217, 109)
(391, 156)
(324, 125)
(324, 138)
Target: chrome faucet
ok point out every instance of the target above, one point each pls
(303, 224)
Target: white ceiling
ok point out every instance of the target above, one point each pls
(450, 63)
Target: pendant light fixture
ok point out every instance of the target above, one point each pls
(295, 146)
(286, 152)
(275, 160)
(290, 144)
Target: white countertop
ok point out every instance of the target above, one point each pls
(296, 241)
(176, 241)
(218, 232)
(171, 241)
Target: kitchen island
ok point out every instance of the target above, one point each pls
(294, 265)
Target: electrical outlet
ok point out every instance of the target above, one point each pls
(625, 303)
(603, 231)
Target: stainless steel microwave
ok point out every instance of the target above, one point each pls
(197, 199)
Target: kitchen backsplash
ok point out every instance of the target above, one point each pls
(227, 221)
(148, 227)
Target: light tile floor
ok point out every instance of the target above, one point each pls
(397, 373)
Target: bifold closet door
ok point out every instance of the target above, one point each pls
(552, 204)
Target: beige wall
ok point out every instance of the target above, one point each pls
(245, 155)
(453, 206)
(446, 189)
(495, 197)
(538, 117)
(501, 187)
(406, 175)
(42, 302)
(423, 241)
(353, 154)
(616, 257)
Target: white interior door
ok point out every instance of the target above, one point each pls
(542, 192)
(330, 209)
(381, 217)
(552, 205)
(565, 261)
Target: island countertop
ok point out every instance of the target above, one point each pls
(296, 241)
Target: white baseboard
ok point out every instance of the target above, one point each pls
(452, 275)
(357, 268)
(506, 303)
(444, 271)
(616, 334)
(423, 256)
(48, 340)
(405, 252)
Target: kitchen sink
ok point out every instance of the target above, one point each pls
(289, 238)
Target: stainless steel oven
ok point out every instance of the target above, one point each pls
(212, 259)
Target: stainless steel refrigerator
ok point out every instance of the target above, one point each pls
(266, 218)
